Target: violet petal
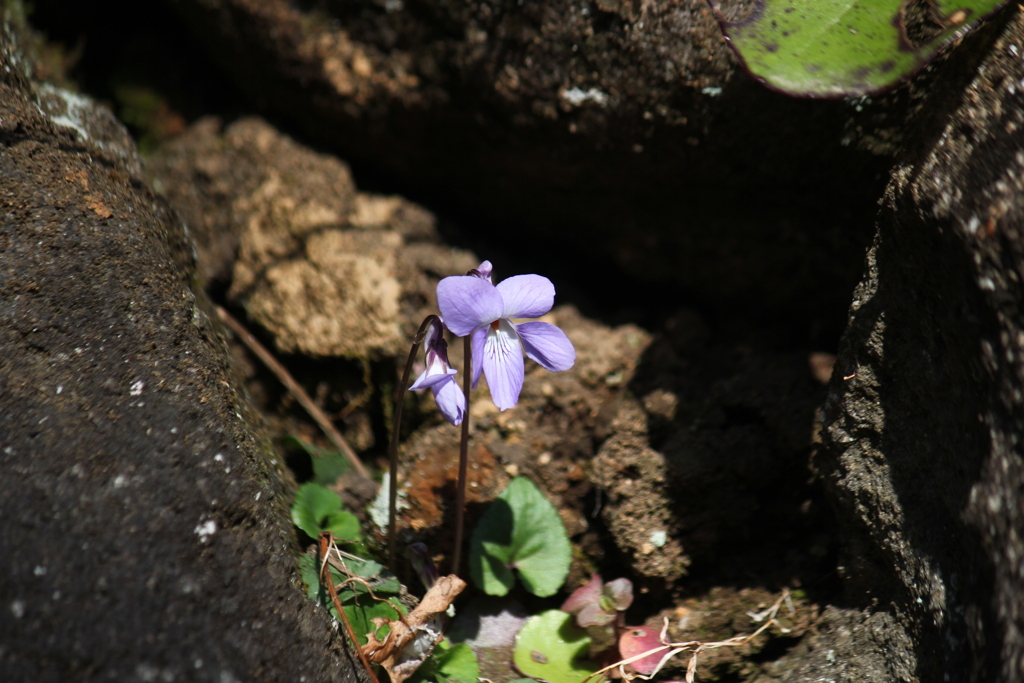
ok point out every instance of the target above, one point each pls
(526, 296)
(467, 302)
(547, 345)
(477, 353)
(437, 361)
(450, 400)
(484, 271)
(428, 379)
(503, 365)
(433, 334)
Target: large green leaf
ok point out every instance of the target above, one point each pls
(552, 648)
(520, 531)
(832, 48)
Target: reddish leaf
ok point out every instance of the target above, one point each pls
(620, 593)
(584, 595)
(637, 640)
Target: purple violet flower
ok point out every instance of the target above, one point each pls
(471, 304)
(439, 375)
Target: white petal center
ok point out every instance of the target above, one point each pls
(502, 340)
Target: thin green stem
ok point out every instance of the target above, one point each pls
(460, 490)
(393, 446)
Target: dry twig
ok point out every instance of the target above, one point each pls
(411, 638)
(326, 541)
(294, 389)
(672, 649)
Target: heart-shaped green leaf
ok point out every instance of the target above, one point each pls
(833, 48)
(552, 648)
(521, 531)
(318, 509)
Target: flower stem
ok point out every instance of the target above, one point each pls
(460, 490)
(393, 446)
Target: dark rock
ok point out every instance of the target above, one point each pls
(621, 130)
(848, 645)
(145, 530)
(922, 451)
(707, 463)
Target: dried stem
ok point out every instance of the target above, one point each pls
(294, 389)
(672, 649)
(325, 573)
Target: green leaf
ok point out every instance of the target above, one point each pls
(834, 48)
(520, 531)
(318, 509)
(343, 524)
(368, 569)
(553, 648)
(360, 607)
(328, 466)
(308, 572)
(455, 663)
(362, 610)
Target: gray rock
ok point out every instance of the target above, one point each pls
(922, 451)
(848, 645)
(145, 530)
